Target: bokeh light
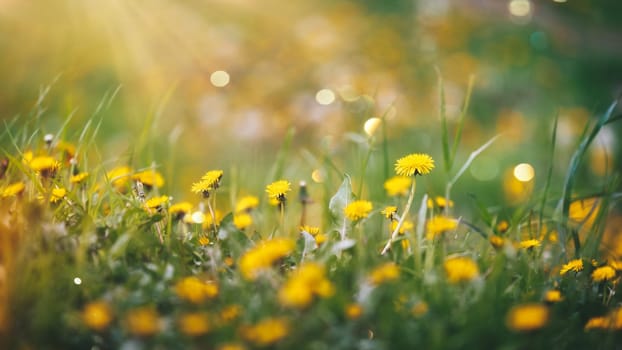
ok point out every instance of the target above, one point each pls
(325, 97)
(371, 125)
(524, 172)
(219, 78)
(519, 8)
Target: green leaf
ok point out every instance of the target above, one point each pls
(338, 203)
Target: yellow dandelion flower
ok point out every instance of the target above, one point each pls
(529, 243)
(312, 230)
(439, 202)
(502, 226)
(307, 281)
(598, 323)
(58, 193)
(119, 177)
(78, 178)
(358, 210)
(231, 346)
(266, 332)
(419, 309)
(194, 324)
(437, 225)
(194, 290)
(407, 225)
(212, 178)
(353, 311)
(527, 317)
(575, 265)
(181, 208)
(278, 190)
(263, 256)
(156, 202)
(414, 164)
(384, 273)
(208, 220)
(398, 186)
(246, 203)
(230, 312)
(603, 273)
(553, 296)
(97, 315)
(12, 190)
(143, 321)
(390, 212)
(44, 164)
(496, 241)
(616, 264)
(242, 220)
(201, 187)
(150, 178)
(584, 211)
(229, 261)
(460, 269)
(203, 241)
(320, 238)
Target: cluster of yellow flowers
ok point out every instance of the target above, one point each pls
(194, 290)
(307, 281)
(267, 331)
(263, 256)
(460, 269)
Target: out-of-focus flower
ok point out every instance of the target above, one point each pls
(575, 265)
(437, 225)
(242, 220)
(143, 321)
(149, 178)
(12, 190)
(529, 243)
(307, 281)
(460, 269)
(603, 273)
(119, 177)
(263, 255)
(266, 332)
(527, 317)
(194, 290)
(97, 315)
(398, 185)
(384, 273)
(246, 203)
(353, 311)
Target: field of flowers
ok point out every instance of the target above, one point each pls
(100, 257)
(310, 174)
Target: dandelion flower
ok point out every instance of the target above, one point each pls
(553, 296)
(320, 238)
(575, 265)
(12, 190)
(603, 273)
(312, 230)
(439, 202)
(203, 241)
(156, 202)
(43, 164)
(502, 226)
(353, 311)
(181, 208)
(194, 324)
(230, 312)
(78, 178)
(194, 290)
(496, 241)
(390, 212)
(460, 269)
(384, 273)
(210, 181)
(242, 220)
(266, 332)
(437, 225)
(584, 211)
(231, 346)
(398, 185)
(278, 190)
(407, 225)
(246, 203)
(58, 193)
(527, 317)
(414, 164)
(358, 210)
(419, 309)
(97, 315)
(119, 177)
(529, 243)
(263, 255)
(149, 178)
(598, 323)
(307, 281)
(143, 321)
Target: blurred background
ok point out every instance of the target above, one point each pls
(219, 83)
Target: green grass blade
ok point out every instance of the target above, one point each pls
(463, 112)
(443, 116)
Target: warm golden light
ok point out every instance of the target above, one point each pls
(317, 176)
(371, 125)
(325, 97)
(520, 8)
(219, 78)
(524, 172)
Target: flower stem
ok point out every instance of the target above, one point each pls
(402, 218)
(213, 215)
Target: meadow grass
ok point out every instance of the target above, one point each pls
(94, 255)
